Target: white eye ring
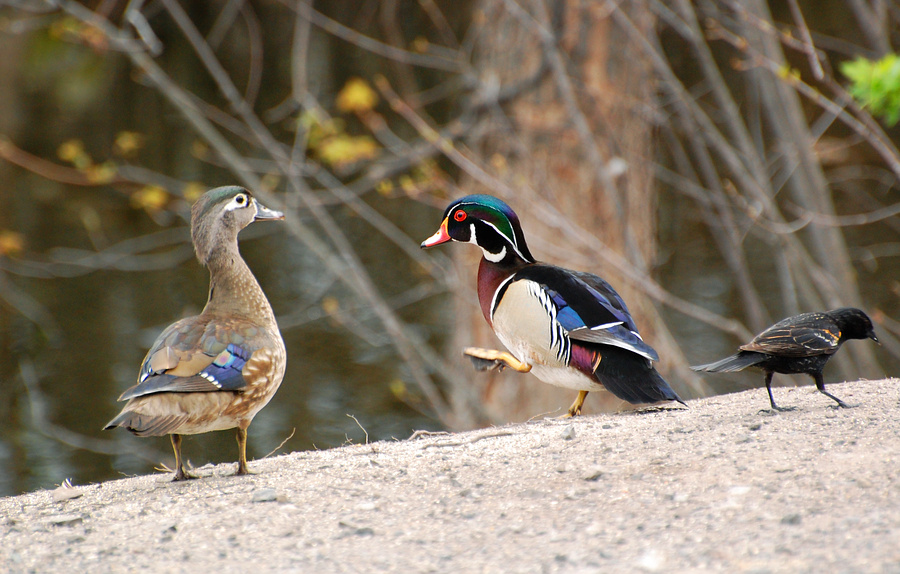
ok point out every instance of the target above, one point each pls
(239, 201)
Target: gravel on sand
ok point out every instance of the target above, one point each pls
(718, 487)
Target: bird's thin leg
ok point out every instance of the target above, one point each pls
(487, 359)
(575, 409)
(180, 474)
(242, 451)
(820, 384)
(771, 398)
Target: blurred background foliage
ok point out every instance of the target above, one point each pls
(702, 156)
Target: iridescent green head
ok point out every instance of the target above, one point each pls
(487, 222)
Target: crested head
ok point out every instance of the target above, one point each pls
(220, 214)
(854, 323)
(489, 223)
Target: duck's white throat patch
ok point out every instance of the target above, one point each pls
(492, 257)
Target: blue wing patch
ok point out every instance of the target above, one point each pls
(619, 331)
(223, 374)
(567, 317)
(225, 370)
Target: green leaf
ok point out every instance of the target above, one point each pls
(876, 85)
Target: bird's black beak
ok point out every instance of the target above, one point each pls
(873, 337)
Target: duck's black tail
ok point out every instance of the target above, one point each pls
(733, 363)
(632, 378)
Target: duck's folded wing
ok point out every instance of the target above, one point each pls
(590, 309)
(196, 372)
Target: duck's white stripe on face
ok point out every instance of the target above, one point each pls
(511, 240)
(472, 239)
(492, 257)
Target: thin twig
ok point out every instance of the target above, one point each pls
(470, 440)
(811, 53)
(277, 448)
(360, 426)
(421, 433)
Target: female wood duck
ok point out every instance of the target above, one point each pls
(799, 344)
(571, 329)
(217, 370)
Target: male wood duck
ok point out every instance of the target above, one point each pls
(571, 329)
(216, 370)
(799, 344)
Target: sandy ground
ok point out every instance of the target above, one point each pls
(719, 487)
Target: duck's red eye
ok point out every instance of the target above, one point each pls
(460, 215)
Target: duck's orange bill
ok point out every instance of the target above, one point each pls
(440, 236)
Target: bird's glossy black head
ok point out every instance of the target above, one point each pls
(487, 222)
(219, 215)
(854, 323)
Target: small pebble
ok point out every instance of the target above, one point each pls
(651, 561)
(593, 475)
(65, 520)
(264, 495)
(66, 493)
(568, 432)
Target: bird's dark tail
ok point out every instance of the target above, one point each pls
(632, 378)
(733, 363)
(143, 425)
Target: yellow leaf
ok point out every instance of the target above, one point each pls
(407, 184)
(193, 191)
(331, 305)
(398, 389)
(384, 187)
(199, 149)
(11, 243)
(356, 96)
(102, 173)
(321, 131)
(72, 151)
(270, 181)
(499, 163)
(420, 45)
(150, 198)
(341, 150)
(127, 143)
(94, 37)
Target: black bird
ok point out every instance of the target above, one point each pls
(799, 344)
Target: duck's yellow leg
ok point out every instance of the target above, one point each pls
(488, 359)
(180, 473)
(242, 452)
(575, 409)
